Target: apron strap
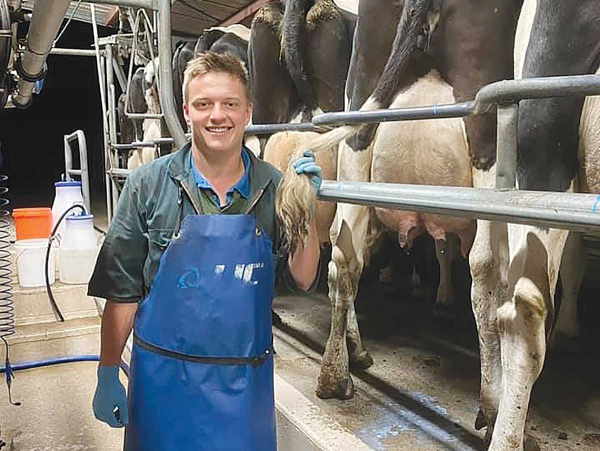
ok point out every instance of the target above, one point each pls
(179, 213)
(254, 361)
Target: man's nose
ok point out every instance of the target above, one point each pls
(217, 113)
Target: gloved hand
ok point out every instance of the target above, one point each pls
(306, 165)
(109, 395)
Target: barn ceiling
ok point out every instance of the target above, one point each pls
(188, 17)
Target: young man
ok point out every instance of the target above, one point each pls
(189, 263)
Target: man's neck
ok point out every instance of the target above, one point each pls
(222, 170)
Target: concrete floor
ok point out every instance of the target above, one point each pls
(422, 392)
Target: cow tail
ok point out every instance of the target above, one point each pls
(295, 200)
(417, 23)
(294, 48)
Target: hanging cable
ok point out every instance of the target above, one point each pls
(47, 262)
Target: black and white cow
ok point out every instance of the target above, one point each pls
(410, 53)
(517, 267)
(298, 55)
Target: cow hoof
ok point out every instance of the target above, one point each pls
(362, 361)
(342, 390)
(443, 312)
(481, 421)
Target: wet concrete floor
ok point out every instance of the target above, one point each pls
(422, 391)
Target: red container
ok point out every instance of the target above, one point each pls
(32, 222)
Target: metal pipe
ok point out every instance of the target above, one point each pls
(145, 115)
(265, 129)
(148, 4)
(46, 20)
(112, 117)
(396, 114)
(511, 91)
(73, 52)
(167, 99)
(579, 212)
(506, 146)
(501, 92)
(120, 73)
(79, 136)
(106, 142)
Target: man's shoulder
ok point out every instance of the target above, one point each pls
(153, 170)
(265, 171)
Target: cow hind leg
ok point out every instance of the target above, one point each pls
(359, 357)
(572, 271)
(345, 268)
(523, 322)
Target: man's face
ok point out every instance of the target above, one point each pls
(217, 111)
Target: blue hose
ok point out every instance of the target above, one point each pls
(58, 360)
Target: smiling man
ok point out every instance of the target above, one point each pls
(189, 263)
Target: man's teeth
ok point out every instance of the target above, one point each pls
(217, 129)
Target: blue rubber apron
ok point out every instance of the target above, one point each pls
(202, 364)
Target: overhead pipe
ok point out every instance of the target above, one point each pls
(45, 22)
(167, 99)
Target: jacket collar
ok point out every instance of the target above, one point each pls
(180, 170)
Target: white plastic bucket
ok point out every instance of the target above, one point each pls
(30, 258)
(78, 250)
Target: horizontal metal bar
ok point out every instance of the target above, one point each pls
(74, 52)
(511, 91)
(121, 173)
(396, 114)
(501, 92)
(259, 129)
(579, 212)
(138, 144)
(144, 115)
(265, 129)
(148, 4)
(74, 171)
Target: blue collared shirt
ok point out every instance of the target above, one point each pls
(242, 186)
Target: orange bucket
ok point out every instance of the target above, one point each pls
(32, 222)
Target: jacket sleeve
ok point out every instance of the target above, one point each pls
(118, 275)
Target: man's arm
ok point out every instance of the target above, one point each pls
(304, 262)
(117, 322)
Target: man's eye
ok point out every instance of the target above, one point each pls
(231, 104)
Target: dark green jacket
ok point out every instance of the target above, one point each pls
(146, 215)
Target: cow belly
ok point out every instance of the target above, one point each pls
(431, 152)
(589, 144)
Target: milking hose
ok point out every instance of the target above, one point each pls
(52, 236)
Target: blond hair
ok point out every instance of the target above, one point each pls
(208, 62)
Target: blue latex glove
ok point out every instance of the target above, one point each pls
(306, 165)
(110, 395)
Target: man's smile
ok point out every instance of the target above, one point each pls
(218, 130)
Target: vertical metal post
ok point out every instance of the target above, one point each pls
(112, 123)
(102, 83)
(83, 172)
(167, 100)
(506, 146)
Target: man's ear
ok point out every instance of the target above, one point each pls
(186, 115)
(248, 113)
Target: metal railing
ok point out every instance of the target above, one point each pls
(579, 212)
